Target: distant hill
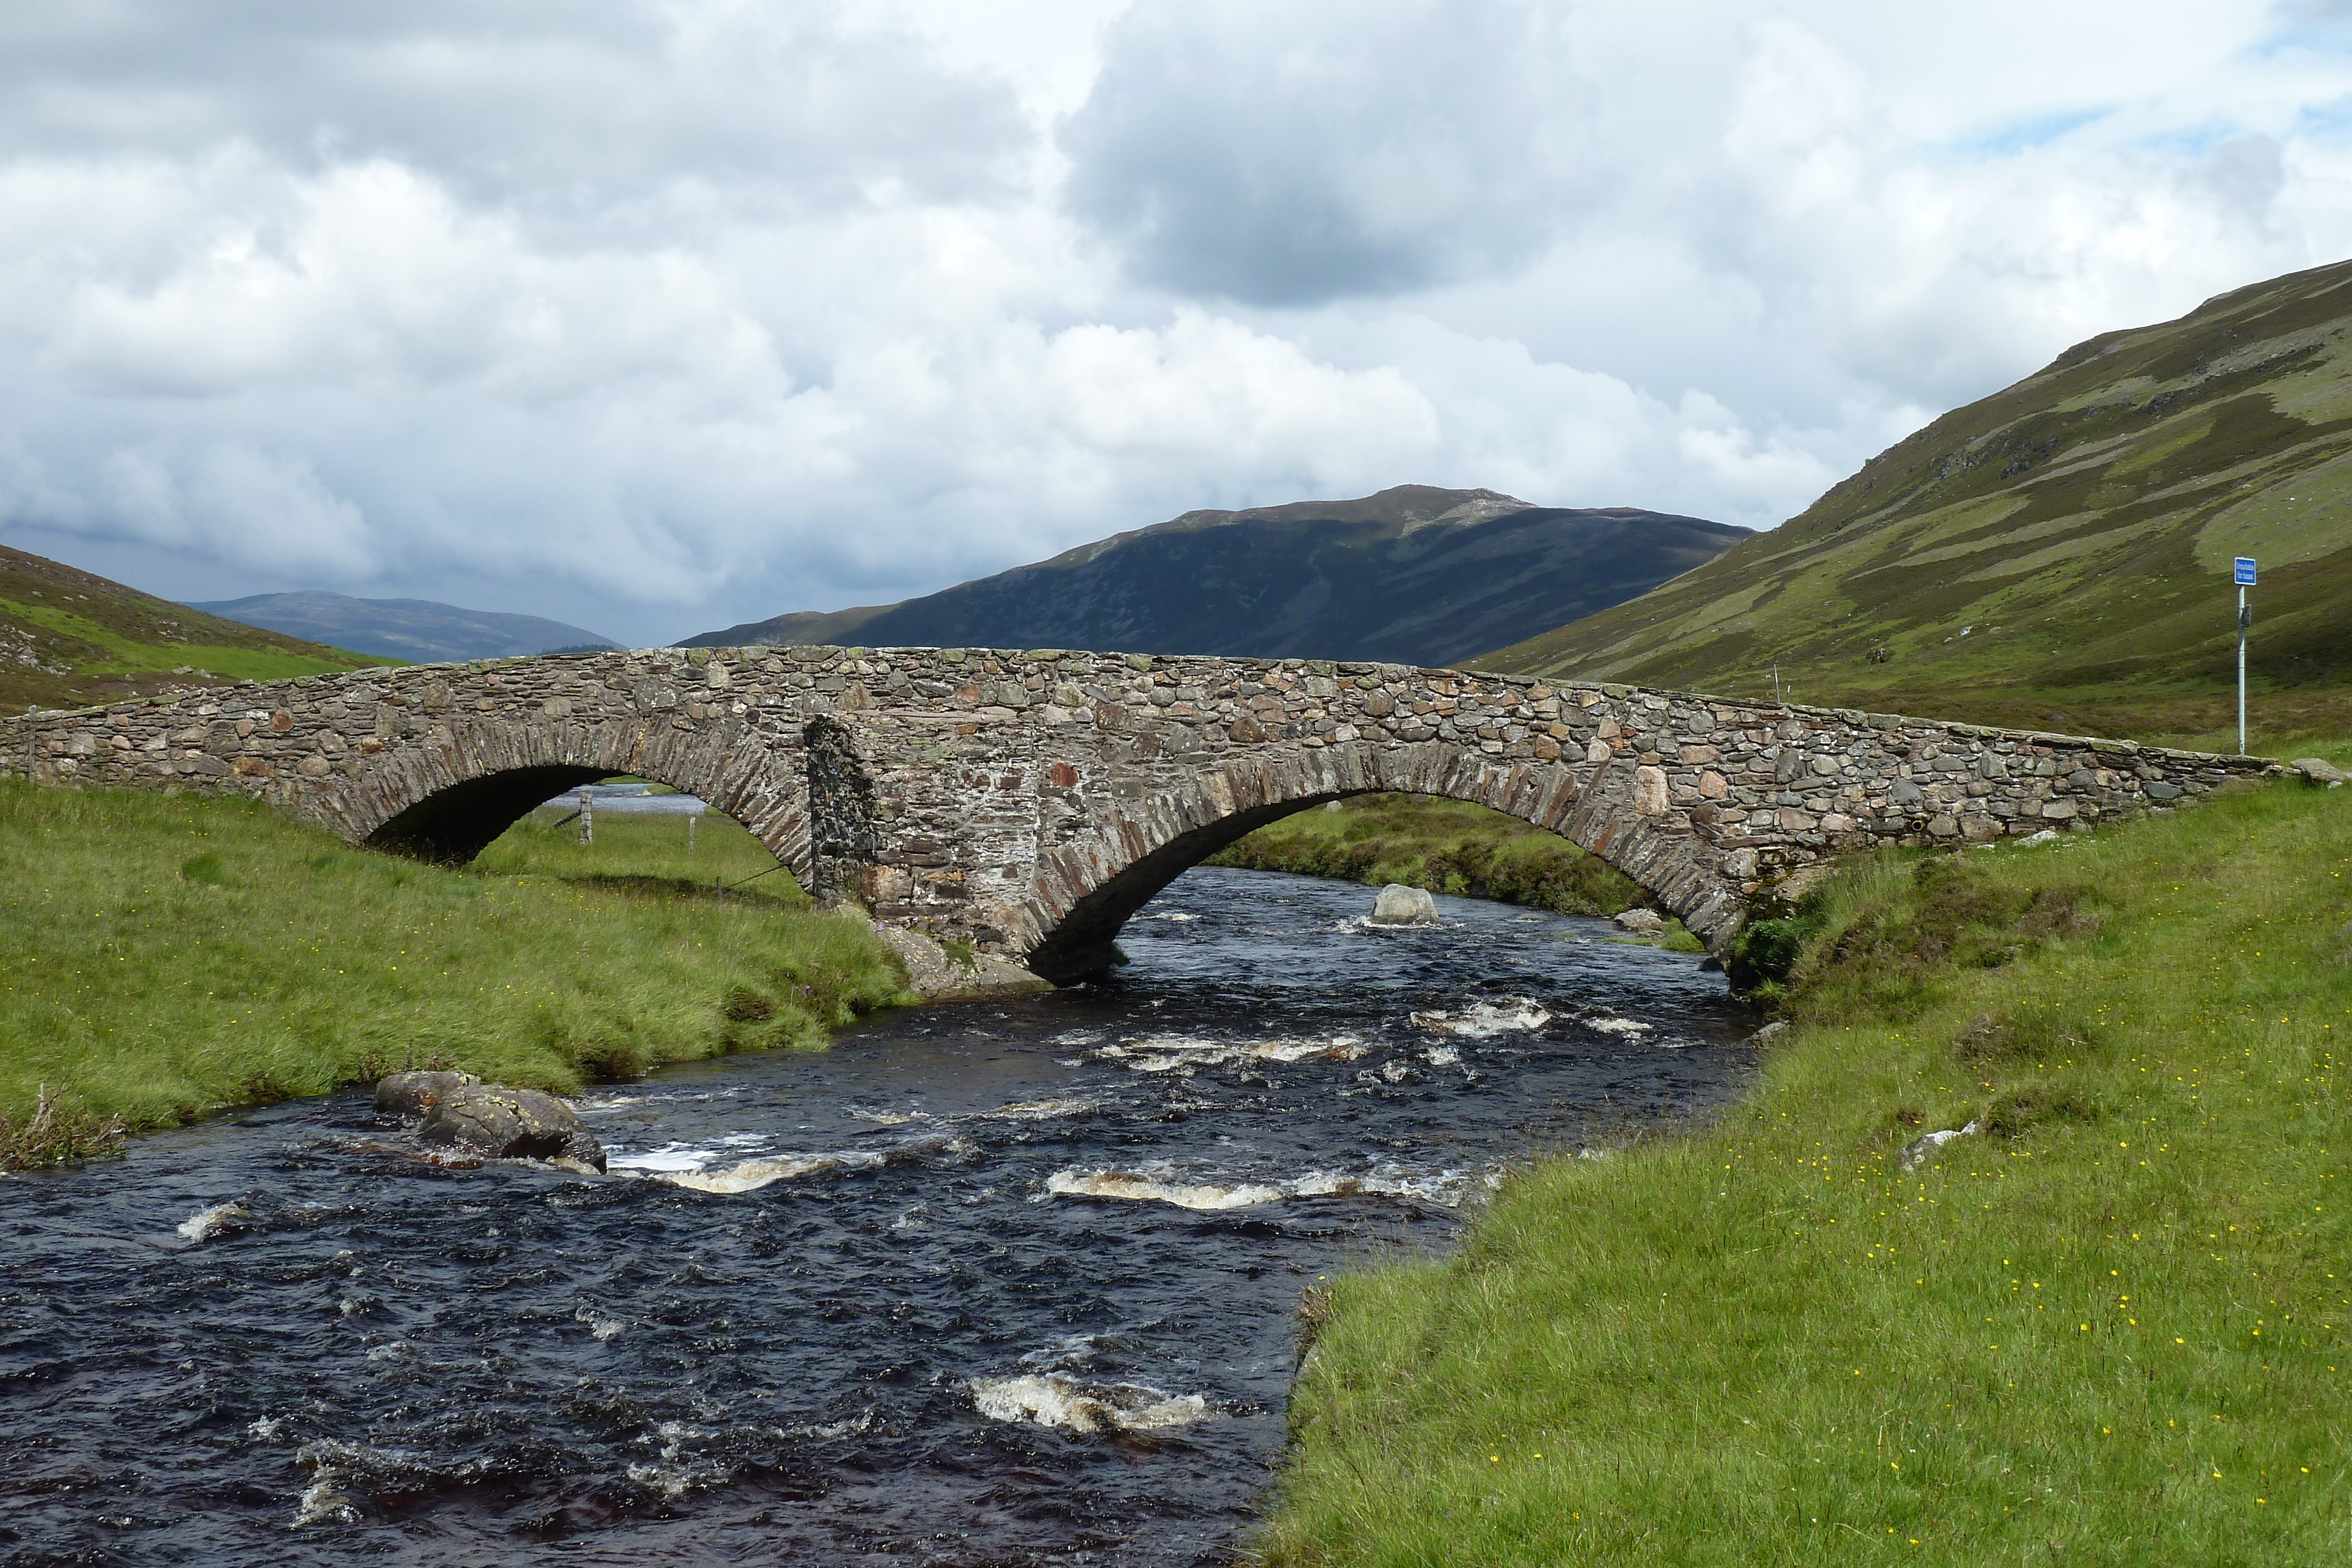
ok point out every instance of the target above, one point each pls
(415, 630)
(1413, 575)
(800, 629)
(70, 638)
(2063, 543)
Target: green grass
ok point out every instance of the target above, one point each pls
(641, 849)
(1445, 846)
(162, 957)
(2109, 1330)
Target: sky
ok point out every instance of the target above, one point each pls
(655, 316)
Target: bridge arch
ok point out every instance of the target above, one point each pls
(445, 800)
(1088, 891)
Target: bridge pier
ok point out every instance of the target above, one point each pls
(1027, 803)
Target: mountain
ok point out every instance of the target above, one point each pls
(415, 630)
(70, 638)
(800, 629)
(1413, 575)
(2060, 548)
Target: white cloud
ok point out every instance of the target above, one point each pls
(1286, 153)
(655, 317)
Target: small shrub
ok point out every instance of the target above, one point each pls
(1900, 932)
(1766, 951)
(2021, 1110)
(744, 1005)
(57, 1133)
(2033, 1033)
(613, 1062)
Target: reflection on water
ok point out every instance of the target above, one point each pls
(983, 1284)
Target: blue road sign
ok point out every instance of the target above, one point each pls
(2246, 570)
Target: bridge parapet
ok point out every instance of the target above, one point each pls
(1027, 801)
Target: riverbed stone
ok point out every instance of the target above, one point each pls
(1641, 922)
(1400, 905)
(938, 976)
(504, 1123)
(416, 1094)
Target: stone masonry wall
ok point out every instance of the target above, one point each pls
(1017, 798)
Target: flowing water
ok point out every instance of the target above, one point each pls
(992, 1283)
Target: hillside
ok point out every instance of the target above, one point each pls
(1413, 575)
(70, 638)
(802, 628)
(417, 631)
(2061, 546)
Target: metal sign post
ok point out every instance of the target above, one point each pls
(2246, 579)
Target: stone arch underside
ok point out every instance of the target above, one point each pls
(447, 799)
(1087, 889)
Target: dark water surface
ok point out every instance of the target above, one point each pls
(995, 1283)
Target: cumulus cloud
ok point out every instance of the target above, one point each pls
(655, 317)
(1290, 152)
(557, 106)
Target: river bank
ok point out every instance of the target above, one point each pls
(161, 958)
(1446, 846)
(2106, 1324)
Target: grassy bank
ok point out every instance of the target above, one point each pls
(161, 957)
(1445, 846)
(2110, 1328)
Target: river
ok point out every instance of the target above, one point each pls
(992, 1283)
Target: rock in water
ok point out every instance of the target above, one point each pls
(511, 1125)
(1641, 922)
(416, 1094)
(938, 976)
(1400, 905)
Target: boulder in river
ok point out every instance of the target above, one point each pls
(1641, 922)
(416, 1094)
(1400, 905)
(503, 1123)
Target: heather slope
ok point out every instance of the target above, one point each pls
(2065, 542)
(70, 638)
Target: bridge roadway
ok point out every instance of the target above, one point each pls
(1027, 803)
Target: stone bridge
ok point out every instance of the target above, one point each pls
(1027, 803)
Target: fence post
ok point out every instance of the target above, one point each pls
(691, 817)
(587, 816)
